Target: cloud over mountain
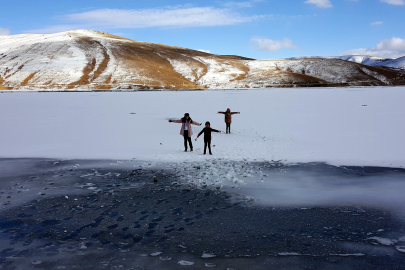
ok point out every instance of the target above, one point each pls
(4, 31)
(264, 44)
(389, 48)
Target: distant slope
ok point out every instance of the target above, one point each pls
(86, 59)
(397, 63)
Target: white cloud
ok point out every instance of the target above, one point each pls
(389, 48)
(377, 23)
(320, 3)
(264, 44)
(246, 4)
(237, 4)
(394, 2)
(4, 31)
(170, 17)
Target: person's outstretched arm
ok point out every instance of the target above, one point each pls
(200, 133)
(235, 112)
(175, 121)
(195, 123)
(222, 112)
(215, 130)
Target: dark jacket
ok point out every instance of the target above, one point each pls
(228, 116)
(207, 133)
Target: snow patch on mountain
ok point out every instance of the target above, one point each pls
(219, 72)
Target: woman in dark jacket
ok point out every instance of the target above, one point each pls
(186, 130)
(228, 119)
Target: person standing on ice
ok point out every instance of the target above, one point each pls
(228, 119)
(186, 130)
(207, 136)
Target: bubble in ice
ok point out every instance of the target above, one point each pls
(349, 255)
(208, 255)
(155, 254)
(210, 265)
(185, 262)
(289, 254)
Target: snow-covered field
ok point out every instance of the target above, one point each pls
(340, 126)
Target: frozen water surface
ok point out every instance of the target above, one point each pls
(309, 179)
(132, 222)
(339, 126)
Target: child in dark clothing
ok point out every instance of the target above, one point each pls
(207, 136)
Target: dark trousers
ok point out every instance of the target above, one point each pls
(228, 127)
(207, 143)
(187, 138)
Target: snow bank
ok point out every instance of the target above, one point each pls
(352, 126)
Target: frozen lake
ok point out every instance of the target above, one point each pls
(340, 126)
(308, 179)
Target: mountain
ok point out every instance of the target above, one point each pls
(86, 59)
(397, 63)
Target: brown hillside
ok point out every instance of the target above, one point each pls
(86, 59)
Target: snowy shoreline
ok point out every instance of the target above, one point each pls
(78, 90)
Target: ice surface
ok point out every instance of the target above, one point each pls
(292, 125)
(133, 215)
(277, 126)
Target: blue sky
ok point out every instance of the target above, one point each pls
(260, 29)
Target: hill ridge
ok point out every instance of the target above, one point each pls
(87, 59)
